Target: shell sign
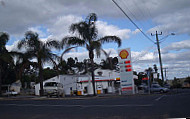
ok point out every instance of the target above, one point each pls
(124, 54)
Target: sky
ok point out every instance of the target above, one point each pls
(52, 18)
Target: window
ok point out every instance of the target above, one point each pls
(51, 84)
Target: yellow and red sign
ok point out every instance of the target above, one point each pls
(124, 54)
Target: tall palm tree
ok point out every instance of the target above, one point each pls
(39, 50)
(4, 54)
(88, 37)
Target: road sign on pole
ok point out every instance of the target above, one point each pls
(126, 71)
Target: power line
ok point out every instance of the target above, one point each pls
(134, 16)
(143, 54)
(132, 21)
(142, 12)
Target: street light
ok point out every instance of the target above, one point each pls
(167, 36)
(160, 54)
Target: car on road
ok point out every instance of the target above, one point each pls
(53, 89)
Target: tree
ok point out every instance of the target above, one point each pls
(155, 68)
(23, 64)
(187, 80)
(71, 62)
(49, 73)
(39, 50)
(88, 37)
(176, 83)
(5, 56)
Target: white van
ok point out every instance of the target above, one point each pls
(53, 89)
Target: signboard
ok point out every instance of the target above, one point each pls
(126, 72)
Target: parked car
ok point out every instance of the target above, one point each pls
(10, 93)
(53, 89)
(142, 87)
(167, 86)
(158, 88)
(7, 92)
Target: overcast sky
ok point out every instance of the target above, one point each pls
(52, 18)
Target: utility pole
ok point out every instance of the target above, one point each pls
(160, 59)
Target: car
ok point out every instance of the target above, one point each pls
(158, 88)
(7, 92)
(142, 87)
(167, 86)
(53, 89)
(10, 93)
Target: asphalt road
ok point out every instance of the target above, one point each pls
(155, 106)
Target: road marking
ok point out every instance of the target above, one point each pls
(157, 99)
(35, 105)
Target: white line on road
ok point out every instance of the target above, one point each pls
(35, 105)
(157, 99)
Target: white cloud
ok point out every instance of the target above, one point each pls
(80, 55)
(136, 31)
(177, 46)
(60, 26)
(105, 29)
(38, 29)
(173, 19)
(12, 47)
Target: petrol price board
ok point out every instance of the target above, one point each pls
(126, 71)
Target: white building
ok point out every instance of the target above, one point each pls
(81, 84)
(105, 82)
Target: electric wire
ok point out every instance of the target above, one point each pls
(134, 16)
(132, 21)
(143, 54)
(149, 13)
(142, 13)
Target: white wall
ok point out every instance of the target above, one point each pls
(68, 81)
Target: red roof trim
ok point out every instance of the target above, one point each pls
(98, 80)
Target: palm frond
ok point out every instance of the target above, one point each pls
(66, 51)
(105, 53)
(82, 28)
(53, 44)
(72, 41)
(109, 39)
(93, 32)
(21, 43)
(91, 18)
(97, 46)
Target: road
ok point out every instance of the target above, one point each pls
(155, 106)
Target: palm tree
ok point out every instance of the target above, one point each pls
(39, 50)
(88, 37)
(4, 55)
